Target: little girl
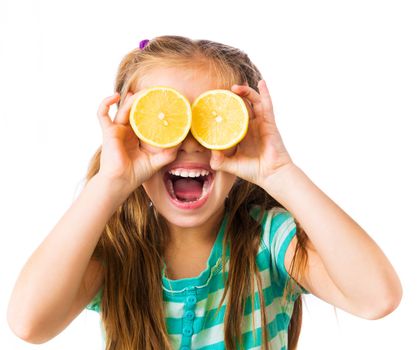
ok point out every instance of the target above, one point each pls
(226, 272)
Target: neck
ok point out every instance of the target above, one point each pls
(181, 238)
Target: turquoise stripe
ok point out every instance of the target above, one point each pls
(174, 325)
(94, 304)
(263, 260)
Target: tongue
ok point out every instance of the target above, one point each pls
(188, 189)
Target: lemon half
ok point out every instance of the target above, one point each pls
(220, 119)
(161, 116)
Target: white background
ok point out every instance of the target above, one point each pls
(343, 79)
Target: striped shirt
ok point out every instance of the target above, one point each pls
(191, 303)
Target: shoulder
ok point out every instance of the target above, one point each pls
(278, 227)
(278, 233)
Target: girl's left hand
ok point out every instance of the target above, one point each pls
(261, 153)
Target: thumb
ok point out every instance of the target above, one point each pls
(219, 161)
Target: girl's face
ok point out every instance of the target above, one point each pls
(192, 159)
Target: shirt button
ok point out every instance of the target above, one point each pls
(189, 315)
(191, 299)
(187, 330)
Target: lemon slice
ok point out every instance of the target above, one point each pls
(161, 116)
(220, 119)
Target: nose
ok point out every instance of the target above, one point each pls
(190, 144)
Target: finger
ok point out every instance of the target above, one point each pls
(266, 101)
(216, 160)
(245, 91)
(220, 162)
(122, 115)
(163, 157)
(103, 110)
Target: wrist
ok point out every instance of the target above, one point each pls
(114, 191)
(278, 183)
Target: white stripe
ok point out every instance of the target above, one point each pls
(267, 227)
(174, 309)
(208, 336)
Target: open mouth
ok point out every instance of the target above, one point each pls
(188, 189)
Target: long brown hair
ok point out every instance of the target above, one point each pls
(132, 244)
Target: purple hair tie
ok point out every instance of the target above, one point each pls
(143, 44)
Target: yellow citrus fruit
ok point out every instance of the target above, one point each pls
(161, 116)
(220, 119)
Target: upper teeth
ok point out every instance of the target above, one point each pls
(189, 172)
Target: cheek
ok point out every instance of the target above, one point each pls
(151, 186)
(228, 181)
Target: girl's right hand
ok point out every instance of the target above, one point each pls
(123, 161)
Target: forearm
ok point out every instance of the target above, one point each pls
(51, 278)
(352, 259)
